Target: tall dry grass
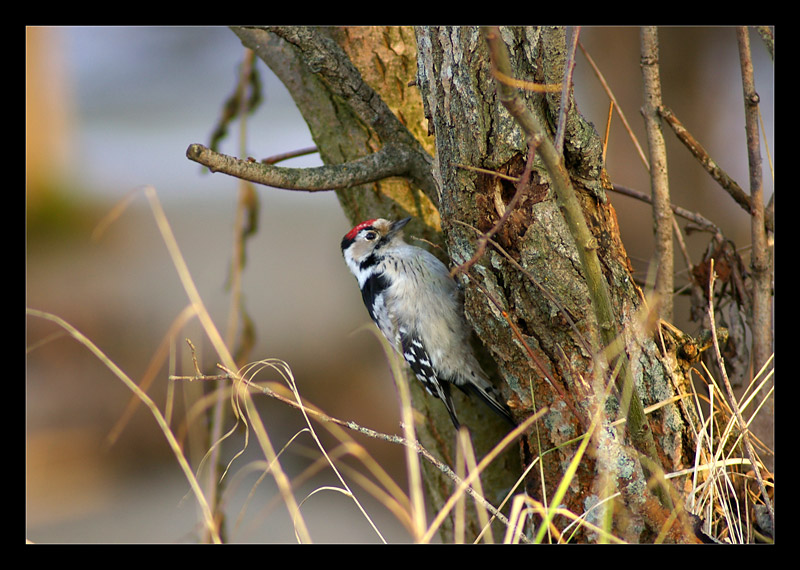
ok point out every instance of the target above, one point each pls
(721, 487)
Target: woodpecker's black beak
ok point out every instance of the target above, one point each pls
(396, 227)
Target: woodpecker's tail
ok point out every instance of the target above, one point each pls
(491, 397)
(478, 386)
(443, 389)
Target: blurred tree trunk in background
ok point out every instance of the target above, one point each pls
(432, 93)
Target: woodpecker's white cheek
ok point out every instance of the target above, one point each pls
(352, 265)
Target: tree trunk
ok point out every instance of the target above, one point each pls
(528, 299)
(539, 282)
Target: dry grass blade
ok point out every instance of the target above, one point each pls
(153, 367)
(467, 453)
(222, 351)
(737, 411)
(260, 466)
(208, 518)
(520, 510)
(286, 373)
(413, 467)
(719, 474)
(464, 485)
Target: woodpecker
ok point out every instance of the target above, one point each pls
(418, 307)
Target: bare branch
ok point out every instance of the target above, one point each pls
(659, 181)
(760, 260)
(327, 58)
(391, 160)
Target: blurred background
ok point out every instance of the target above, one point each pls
(109, 110)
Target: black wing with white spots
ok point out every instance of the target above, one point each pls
(419, 360)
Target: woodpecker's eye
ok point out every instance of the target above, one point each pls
(370, 235)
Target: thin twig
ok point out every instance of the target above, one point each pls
(513, 179)
(608, 129)
(274, 159)
(698, 219)
(621, 114)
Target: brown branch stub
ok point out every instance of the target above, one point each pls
(391, 160)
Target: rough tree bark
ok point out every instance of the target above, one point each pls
(432, 92)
